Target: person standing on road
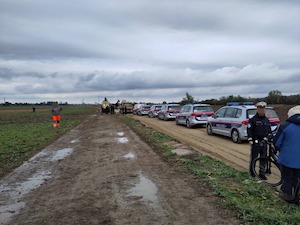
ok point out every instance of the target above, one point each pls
(56, 109)
(287, 142)
(259, 127)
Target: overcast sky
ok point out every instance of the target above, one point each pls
(147, 50)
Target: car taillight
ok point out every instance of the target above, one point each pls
(245, 122)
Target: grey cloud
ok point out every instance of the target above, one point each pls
(169, 47)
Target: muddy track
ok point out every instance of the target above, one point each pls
(235, 155)
(101, 172)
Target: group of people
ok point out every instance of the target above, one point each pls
(107, 107)
(286, 141)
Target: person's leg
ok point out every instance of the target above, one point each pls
(296, 185)
(54, 121)
(253, 155)
(57, 121)
(263, 163)
(287, 183)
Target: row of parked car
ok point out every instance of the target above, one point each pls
(230, 120)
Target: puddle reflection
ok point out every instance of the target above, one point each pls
(120, 134)
(146, 190)
(121, 140)
(16, 191)
(129, 155)
(61, 154)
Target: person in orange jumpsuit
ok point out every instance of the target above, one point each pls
(56, 109)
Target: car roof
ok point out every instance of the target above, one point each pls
(198, 104)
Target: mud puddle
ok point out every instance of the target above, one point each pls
(145, 191)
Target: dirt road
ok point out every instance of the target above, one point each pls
(236, 155)
(102, 173)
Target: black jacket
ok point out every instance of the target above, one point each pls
(258, 127)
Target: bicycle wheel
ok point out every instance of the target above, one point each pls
(269, 168)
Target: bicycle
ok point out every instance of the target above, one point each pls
(267, 164)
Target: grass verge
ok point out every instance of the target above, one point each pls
(23, 133)
(256, 203)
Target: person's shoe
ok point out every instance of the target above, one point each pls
(262, 177)
(286, 196)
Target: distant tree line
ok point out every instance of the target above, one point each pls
(41, 103)
(274, 97)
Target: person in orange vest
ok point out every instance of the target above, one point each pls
(56, 114)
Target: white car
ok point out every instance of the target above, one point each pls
(168, 111)
(194, 114)
(232, 121)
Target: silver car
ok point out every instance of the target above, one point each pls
(194, 114)
(232, 121)
(168, 111)
(143, 110)
(154, 109)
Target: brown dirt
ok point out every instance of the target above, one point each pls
(103, 173)
(219, 147)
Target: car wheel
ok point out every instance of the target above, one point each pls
(209, 129)
(235, 136)
(188, 124)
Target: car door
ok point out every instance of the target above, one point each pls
(162, 111)
(217, 122)
(230, 121)
(184, 114)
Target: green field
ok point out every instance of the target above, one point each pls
(24, 132)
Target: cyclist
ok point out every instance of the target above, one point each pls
(259, 127)
(287, 141)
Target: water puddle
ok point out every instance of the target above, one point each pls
(121, 140)
(16, 191)
(120, 134)
(129, 155)
(61, 154)
(74, 141)
(38, 156)
(145, 190)
(6, 212)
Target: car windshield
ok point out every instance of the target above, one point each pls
(270, 113)
(202, 109)
(158, 107)
(174, 107)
